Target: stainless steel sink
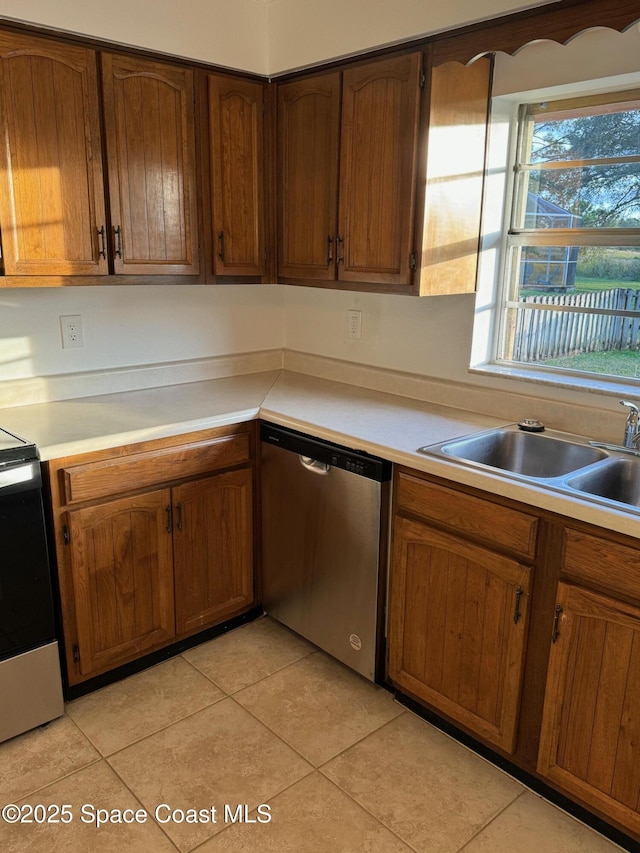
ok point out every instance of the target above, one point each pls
(615, 480)
(537, 456)
(605, 474)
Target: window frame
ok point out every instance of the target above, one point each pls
(516, 237)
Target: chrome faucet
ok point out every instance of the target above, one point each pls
(632, 425)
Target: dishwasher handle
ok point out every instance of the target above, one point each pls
(314, 465)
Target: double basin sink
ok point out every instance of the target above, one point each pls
(551, 459)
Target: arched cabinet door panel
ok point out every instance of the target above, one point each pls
(308, 145)
(121, 562)
(236, 130)
(213, 530)
(52, 211)
(378, 162)
(590, 727)
(149, 122)
(458, 621)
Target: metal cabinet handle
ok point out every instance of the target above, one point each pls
(221, 241)
(339, 256)
(556, 624)
(167, 510)
(313, 465)
(118, 235)
(516, 612)
(179, 514)
(329, 250)
(102, 252)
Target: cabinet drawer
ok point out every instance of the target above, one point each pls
(94, 480)
(602, 563)
(478, 518)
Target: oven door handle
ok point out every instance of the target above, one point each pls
(20, 478)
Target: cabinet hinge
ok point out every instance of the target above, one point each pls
(76, 654)
(413, 262)
(66, 535)
(423, 78)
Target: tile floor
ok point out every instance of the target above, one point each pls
(260, 719)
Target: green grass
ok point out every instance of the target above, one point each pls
(585, 285)
(589, 284)
(614, 363)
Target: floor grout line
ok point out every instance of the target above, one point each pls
(308, 769)
(257, 681)
(97, 760)
(315, 766)
(371, 814)
(492, 819)
(142, 805)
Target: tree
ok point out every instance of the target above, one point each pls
(605, 195)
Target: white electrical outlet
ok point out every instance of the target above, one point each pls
(71, 328)
(354, 324)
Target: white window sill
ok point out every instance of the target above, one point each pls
(611, 386)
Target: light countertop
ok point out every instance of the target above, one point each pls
(383, 424)
(85, 424)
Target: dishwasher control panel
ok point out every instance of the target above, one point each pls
(354, 461)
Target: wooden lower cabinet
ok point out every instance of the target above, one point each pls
(590, 744)
(458, 627)
(139, 571)
(213, 553)
(122, 574)
(547, 673)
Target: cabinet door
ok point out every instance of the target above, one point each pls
(149, 124)
(590, 743)
(458, 623)
(236, 128)
(122, 576)
(308, 135)
(454, 176)
(213, 549)
(51, 185)
(380, 113)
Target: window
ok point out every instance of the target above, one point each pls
(573, 247)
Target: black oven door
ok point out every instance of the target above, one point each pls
(26, 609)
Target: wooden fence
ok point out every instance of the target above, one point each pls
(540, 335)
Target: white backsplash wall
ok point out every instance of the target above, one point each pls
(131, 326)
(429, 336)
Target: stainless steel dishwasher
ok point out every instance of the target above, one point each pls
(324, 536)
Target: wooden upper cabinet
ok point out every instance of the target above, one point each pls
(51, 182)
(451, 171)
(308, 142)
(591, 725)
(347, 159)
(378, 160)
(408, 150)
(236, 131)
(149, 125)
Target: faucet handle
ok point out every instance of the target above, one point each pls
(634, 411)
(631, 425)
